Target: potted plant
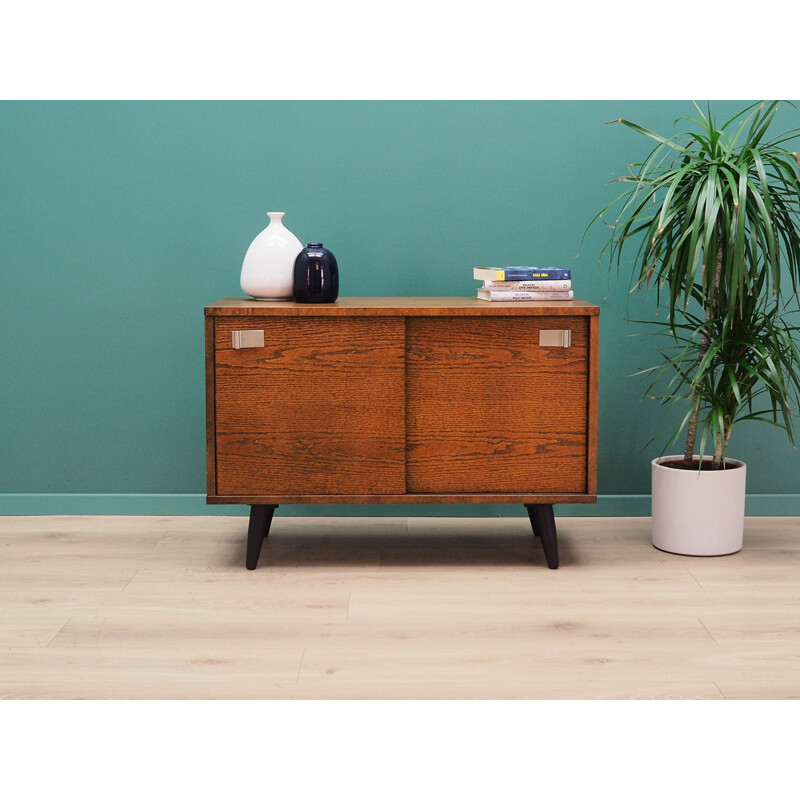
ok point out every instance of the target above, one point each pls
(713, 213)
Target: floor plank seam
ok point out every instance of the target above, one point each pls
(695, 579)
(59, 631)
(135, 573)
(708, 632)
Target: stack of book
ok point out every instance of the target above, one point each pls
(523, 283)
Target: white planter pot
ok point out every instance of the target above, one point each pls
(268, 267)
(698, 512)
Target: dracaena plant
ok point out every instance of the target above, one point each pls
(713, 215)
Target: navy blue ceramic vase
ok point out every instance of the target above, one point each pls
(316, 275)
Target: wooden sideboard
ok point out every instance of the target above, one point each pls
(401, 400)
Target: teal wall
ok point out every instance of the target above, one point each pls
(121, 220)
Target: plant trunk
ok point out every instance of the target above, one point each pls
(705, 343)
(691, 432)
(716, 463)
(721, 446)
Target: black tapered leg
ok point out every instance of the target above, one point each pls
(543, 523)
(257, 531)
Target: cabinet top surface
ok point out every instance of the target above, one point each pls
(399, 306)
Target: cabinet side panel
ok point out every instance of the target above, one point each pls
(319, 409)
(211, 433)
(593, 388)
(490, 410)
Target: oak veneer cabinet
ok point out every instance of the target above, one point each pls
(401, 400)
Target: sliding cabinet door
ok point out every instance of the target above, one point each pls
(490, 409)
(318, 409)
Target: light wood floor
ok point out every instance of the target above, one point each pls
(349, 608)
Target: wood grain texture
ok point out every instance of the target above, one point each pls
(317, 410)
(391, 608)
(399, 306)
(490, 410)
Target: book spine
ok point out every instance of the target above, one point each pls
(522, 296)
(526, 274)
(523, 274)
(528, 286)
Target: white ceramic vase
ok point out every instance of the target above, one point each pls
(698, 512)
(268, 267)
